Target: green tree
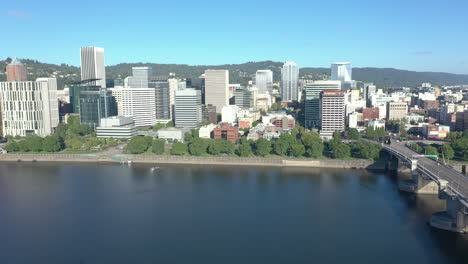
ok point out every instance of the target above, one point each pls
(262, 147)
(341, 151)
(308, 138)
(460, 146)
(337, 135)
(74, 143)
(215, 147)
(197, 146)
(430, 150)
(244, 149)
(158, 146)
(179, 148)
(354, 134)
(298, 150)
(24, 145)
(11, 146)
(35, 143)
(170, 124)
(52, 144)
(227, 147)
(416, 147)
(315, 150)
(283, 145)
(448, 152)
(138, 145)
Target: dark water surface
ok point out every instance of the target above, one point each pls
(89, 213)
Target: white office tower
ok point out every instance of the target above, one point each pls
(217, 88)
(229, 114)
(93, 66)
(264, 81)
(188, 110)
(29, 107)
(290, 81)
(341, 71)
(139, 103)
(140, 77)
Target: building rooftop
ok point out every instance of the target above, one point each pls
(15, 62)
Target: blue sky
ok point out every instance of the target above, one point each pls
(412, 34)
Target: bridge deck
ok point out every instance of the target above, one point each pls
(457, 182)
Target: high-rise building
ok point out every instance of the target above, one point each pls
(140, 103)
(95, 105)
(29, 107)
(312, 100)
(16, 71)
(217, 88)
(290, 81)
(74, 93)
(341, 71)
(162, 97)
(368, 90)
(188, 109)
(332, 112)
(244, 98)
(264, 81)
(93, 66)
(140, 77)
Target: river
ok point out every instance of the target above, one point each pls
(110, 213)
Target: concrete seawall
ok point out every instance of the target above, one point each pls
(275, 162)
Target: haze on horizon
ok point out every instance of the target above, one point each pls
(411, 35)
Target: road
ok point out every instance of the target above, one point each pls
(457, 181)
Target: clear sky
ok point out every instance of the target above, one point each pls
(422, 35)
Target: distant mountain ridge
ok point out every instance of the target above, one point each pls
(242, 73)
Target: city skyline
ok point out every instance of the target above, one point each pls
(368, 34)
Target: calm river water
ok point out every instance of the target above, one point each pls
(109, 213)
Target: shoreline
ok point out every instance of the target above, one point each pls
(272, 162)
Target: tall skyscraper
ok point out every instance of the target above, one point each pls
(290, 81)
(188, 109)
(16, 71)
(29, 107)
(341, 71)
(95, 105)
(140, 103)
(312, 100)
(162, 97)
(332, 112)
(264, 81)
(93, 66)
(217, 88)
(140, 77)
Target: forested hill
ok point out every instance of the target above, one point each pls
(242, 73)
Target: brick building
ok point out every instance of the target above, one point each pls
(226, 132)
(370, 113)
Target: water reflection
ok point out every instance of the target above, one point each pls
(110, 213)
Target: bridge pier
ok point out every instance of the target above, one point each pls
(419, 182)
(455, 218)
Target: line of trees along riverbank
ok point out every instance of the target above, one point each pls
(300, 143)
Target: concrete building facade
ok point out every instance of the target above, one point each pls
(93, 65)
(217, 88)
(29, 107)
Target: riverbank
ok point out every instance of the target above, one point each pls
(154, 159)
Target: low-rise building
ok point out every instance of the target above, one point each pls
(376, 124)
(370, 113)
(227, 132)
(435, 131)
(206, 131)
(172, 133)
(116, 127)
(397, 110)
(281, 120)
